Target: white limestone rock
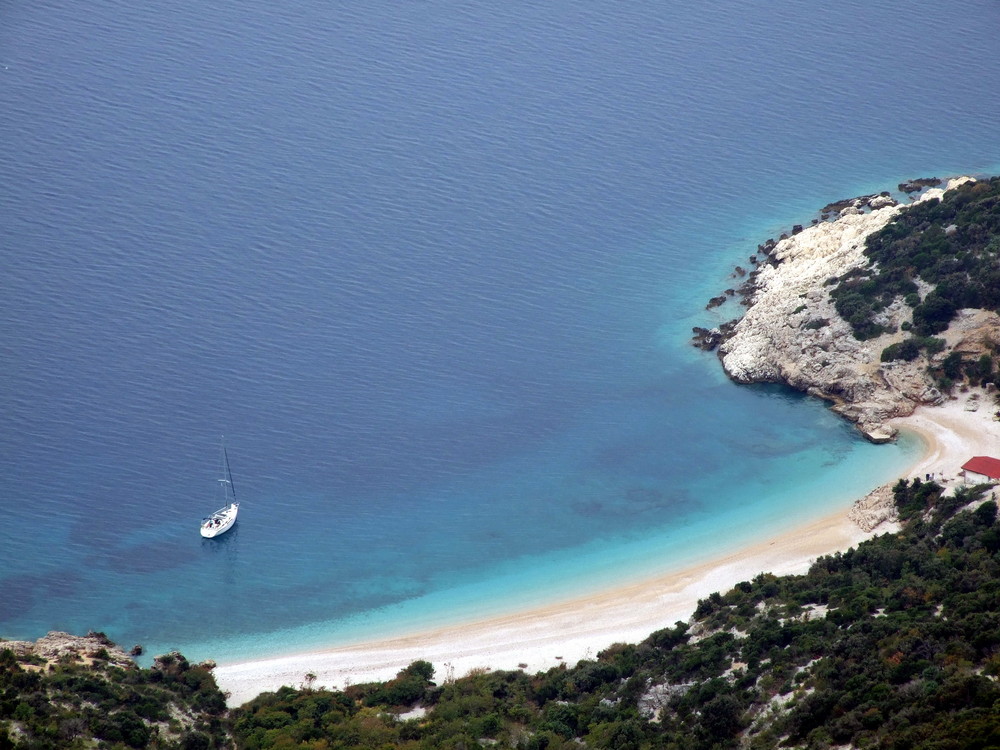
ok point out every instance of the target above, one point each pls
(874, 509)
(57, 645)
(791, 332)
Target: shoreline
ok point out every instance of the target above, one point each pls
(544, 637)
(578, 628)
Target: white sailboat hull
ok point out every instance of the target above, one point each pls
(220, 522)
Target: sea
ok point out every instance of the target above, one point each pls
(430, 269)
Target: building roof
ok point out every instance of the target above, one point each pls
(984, 465)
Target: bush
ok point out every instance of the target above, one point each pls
(933, 314)
(986, 514)
(980, 370)
(933, 345)
(409, 686)
(907, 350)
(952, 366)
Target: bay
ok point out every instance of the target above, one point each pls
(431, 268)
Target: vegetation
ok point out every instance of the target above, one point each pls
(909, 349)
(951, 245)
(67, 705)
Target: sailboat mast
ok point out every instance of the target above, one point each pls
(224, 480)
(229, 472)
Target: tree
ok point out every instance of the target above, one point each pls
(721, 718)
(986, 514)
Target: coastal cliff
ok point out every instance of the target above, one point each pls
(792, 332)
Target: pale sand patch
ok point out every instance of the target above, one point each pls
(954, 434)
(579, 628)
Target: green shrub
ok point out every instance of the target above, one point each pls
(933, 345)
(906, 350)
(960, 264)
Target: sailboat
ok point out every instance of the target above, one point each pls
(223, 519)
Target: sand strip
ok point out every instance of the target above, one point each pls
(579, 628)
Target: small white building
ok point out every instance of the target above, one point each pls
(981, 470)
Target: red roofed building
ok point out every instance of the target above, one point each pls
(981, 469)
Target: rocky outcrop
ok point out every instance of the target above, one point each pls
(915, 186)
(658, 696)
(874, 509)
(57, 647)
(853, 206)
(706, 338)
(792, 334)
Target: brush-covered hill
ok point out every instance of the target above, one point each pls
(65, 692)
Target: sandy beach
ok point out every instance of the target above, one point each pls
(575, 629)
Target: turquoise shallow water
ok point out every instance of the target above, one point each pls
(432, 270)
(600, 564)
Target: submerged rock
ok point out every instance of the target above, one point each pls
(915, 186)
(705, 338)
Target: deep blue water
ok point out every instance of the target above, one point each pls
(431, 267)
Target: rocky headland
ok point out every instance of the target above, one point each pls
(791, 332)
(56, 647)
